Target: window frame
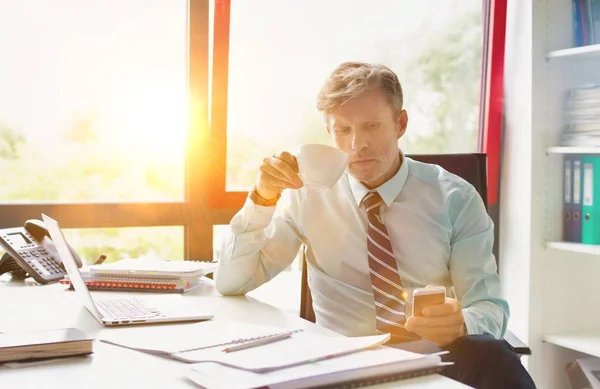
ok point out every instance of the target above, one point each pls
(490, 113)
(492, 95)
(207, 201)
(193, 213)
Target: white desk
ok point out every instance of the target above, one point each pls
(25, 307)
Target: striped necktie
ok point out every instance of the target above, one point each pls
(385, 278)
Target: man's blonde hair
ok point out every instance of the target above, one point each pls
(351, 79)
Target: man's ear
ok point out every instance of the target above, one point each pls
(402, 123)
(326, 120)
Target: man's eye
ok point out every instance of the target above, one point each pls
(372, 125)
(342, 130)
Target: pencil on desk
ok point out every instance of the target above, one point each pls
(258, 342)
(100, 259)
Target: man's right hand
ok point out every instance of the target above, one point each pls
(277, 173)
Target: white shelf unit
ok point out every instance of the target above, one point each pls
(573, 150)
(549, 284)
(587, 342)
(575, 248)
(589, 52)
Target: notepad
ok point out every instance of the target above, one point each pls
(32, 345)
(177, 341)
(207, 341)
(298, 349)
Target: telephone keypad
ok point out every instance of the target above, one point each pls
(42, 262)
(35, 257)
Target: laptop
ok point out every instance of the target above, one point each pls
(124, 311)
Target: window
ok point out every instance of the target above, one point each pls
(93, 100)
(119, 243)
(279, 57)
(103, 117)
(268, 68)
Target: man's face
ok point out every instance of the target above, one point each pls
(367, 129)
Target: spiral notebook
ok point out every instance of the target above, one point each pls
(363, 368)
(137, 284)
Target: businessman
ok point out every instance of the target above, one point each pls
(389, 225)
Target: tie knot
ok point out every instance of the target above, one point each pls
(372, 201)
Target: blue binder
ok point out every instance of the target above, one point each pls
(572, 223)
(567, 199)
(576, 222)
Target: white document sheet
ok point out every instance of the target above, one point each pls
(174, 339)
(300, 348)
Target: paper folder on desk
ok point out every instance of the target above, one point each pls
(301, 361)
(362, 368)
(206, 341)
(183, 341)
(299, 349)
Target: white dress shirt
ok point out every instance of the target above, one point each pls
(440, 232)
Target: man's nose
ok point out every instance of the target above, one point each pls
(359, 141)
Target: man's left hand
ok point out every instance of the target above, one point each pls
(441, 323)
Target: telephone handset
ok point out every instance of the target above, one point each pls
(31, 253)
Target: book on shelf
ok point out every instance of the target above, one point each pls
(44, 344)
(582, 117)
(586, 22)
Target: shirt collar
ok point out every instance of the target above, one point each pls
(388, 191)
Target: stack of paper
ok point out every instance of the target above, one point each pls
(362, 368)
(154, 267)
(297, 360)
(582, 117)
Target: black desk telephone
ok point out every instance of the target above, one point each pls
(31, 253)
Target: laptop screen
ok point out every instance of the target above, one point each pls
(70, 265)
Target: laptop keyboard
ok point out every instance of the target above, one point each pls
(124, 309)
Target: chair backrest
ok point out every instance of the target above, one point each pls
(471, 167)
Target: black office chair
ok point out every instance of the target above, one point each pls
(471, 167)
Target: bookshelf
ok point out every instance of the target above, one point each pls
(587, 342)
(574, 247)
(590, 52)
(573, 150)
(549, 284)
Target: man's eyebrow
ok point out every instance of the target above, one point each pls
(340, 123)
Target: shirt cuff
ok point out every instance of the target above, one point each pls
(257, 216)
(471, 324)
(257, 199)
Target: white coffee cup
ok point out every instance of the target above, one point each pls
(320, 166)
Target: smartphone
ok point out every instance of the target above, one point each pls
(424, 297)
